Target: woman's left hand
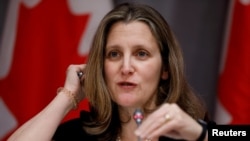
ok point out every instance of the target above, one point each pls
(170, 121)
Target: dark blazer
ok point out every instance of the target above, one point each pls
(72, 131)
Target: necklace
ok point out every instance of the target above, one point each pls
(119, 139)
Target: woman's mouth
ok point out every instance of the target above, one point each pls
(127, 85)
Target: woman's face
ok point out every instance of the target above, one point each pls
(133, 64)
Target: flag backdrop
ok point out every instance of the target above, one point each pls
(234, 82)
(40, 39)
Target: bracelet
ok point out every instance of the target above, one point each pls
(70, 94)
(204, 130)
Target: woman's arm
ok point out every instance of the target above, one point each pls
(43, 126)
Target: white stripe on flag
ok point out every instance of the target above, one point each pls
(8, 121)
(8, 39)
(221, 114)
(97, 10)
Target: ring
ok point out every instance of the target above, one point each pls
(167, 117)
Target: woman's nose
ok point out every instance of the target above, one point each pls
(127, 65)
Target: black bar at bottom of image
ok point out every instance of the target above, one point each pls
(221, 132)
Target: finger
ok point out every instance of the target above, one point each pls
(152, 122)
(72, 77)
(165, 128)
(178, 125)
(81, 72)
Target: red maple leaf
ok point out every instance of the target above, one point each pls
(46, 43)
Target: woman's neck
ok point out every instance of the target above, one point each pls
(129, 124)
(127, 131)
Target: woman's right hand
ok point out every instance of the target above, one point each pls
(55, 110)
(73, 82)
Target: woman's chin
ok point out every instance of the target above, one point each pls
(128, 103)
(128, 100)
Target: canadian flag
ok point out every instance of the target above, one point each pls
(233, 105)
(40, 39)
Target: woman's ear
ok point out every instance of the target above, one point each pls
(164, 75)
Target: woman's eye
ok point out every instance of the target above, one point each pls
(142, 54)
(113, 54)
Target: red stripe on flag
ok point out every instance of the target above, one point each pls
(47, 41)
(234, 82)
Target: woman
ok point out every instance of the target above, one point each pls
(134, 63)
